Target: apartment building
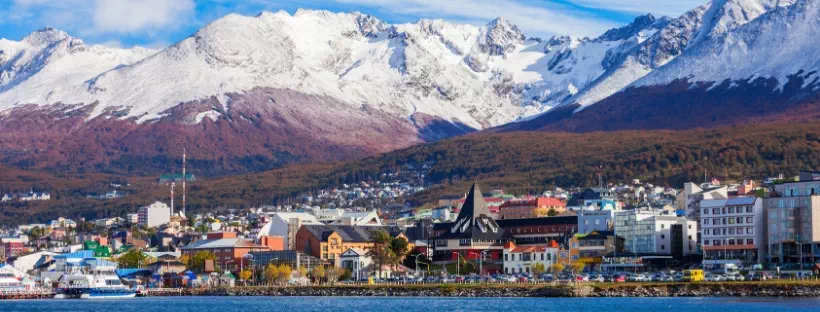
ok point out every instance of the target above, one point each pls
(793, 219)
(733, 231)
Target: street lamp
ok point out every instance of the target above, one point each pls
(242, 267)
(417, 263)
(458, 265)
(480, 260)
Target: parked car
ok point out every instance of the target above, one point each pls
(619, 279)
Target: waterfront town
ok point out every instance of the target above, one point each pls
(633, 232)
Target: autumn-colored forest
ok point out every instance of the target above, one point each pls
(518, 162)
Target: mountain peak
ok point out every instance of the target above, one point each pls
(620, 33)
(501, 37)
(46, 36)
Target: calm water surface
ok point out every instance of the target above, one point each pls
(406, 304)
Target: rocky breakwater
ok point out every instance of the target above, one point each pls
(709, 290)
(773, 289)
(371, 291)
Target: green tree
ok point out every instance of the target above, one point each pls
(199, 258)
(134, 258)
(398, 250)
(380, 251)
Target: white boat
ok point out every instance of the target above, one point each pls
(10, 284)
(92, 279)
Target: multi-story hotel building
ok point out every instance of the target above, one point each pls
(733, 231)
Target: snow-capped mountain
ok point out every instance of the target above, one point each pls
(48, 59)
(707, 21)
(780, 45)
(743, 61)
(278, 88)
(475, 76)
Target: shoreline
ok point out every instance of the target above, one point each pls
(803, 289)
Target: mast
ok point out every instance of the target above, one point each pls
(172, 198)
(183, 181)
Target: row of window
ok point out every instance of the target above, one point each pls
(729, 231)
(729, 210)
(729, 242)
(735, 220)
(526, 257)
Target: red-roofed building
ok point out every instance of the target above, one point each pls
(523, 259)
(531, 208)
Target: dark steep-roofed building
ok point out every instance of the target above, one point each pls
(476, 232)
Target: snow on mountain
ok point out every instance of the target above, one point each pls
(780, 44)
(712, 19)
(475, 76)
(48, 59)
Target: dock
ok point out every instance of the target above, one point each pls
(39, 293)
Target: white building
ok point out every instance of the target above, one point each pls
(358, 218)
(733, 231)
(154, 215)
(132, 218)
(689, 199)
(328, 215)
(651, 231)
(285, 225)
(522, 259)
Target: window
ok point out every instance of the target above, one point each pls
(739, 220)
(731, 209)
(663, 247)
(717, 242)
(750, 231)
(597, 222)
(706, 231)
(506, 257)
(731, 220)
(750, 241)
(706, 211)
(663, 226)
(715, 210)
(749, 220)
(730, 241)
(731, 231)
(707, 243)
(749, 209)
(663, 236)
(705, 221)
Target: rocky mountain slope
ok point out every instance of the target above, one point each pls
(743, 61)
(251, 93)
(301, 85)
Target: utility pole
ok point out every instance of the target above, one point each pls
(183, 181)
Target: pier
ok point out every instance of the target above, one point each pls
(26, 294)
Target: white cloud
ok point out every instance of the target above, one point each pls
(672, 8)
(533, 20)
(128, 16)
(96, 17)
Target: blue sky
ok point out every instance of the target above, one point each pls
(159, 23)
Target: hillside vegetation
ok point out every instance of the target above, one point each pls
(518, 162)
